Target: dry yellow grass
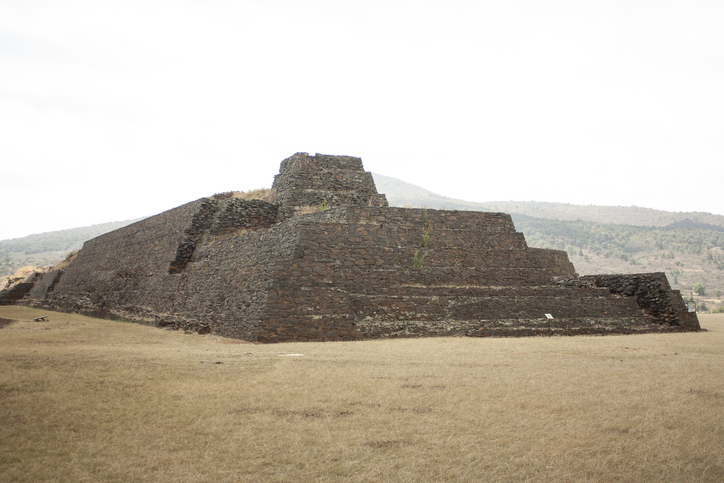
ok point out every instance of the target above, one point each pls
(307, 209)
(257, 194)
(92, 400)
(65, 263)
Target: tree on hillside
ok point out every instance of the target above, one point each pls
(700, 288)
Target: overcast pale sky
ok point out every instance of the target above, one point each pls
(112, 110)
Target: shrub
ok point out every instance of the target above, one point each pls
(417, 259)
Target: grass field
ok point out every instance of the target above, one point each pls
(83, 399)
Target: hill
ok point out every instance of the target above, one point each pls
(401, 193)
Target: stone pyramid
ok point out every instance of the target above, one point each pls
(326, 259)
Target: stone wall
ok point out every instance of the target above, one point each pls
(18, 287)
(220, 216)
(122, 270)
(652, 293)
(236, 215)
(221, 284)
(353, 276)
(11, 295)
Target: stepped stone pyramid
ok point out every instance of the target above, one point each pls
(325, 258)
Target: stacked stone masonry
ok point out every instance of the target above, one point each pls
(16, 288)
(11, 295)
(323, 181)
(325, 259)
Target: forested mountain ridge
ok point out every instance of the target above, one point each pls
(623, 215)
(401, 193)
(688, 256)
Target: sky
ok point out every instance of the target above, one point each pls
(114, 110)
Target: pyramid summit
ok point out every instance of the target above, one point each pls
(325, 258)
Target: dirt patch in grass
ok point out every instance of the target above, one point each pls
(5, 322)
